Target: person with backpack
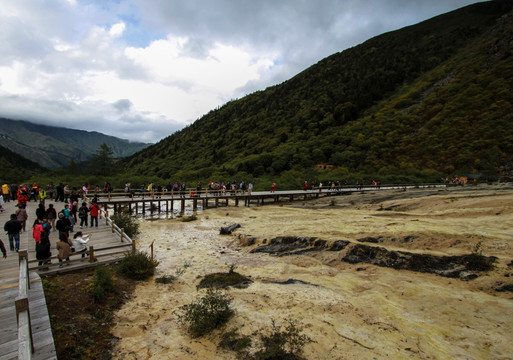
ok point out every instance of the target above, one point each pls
(40, 211)
(51, 215)
(22, 216)
(82, 214)
(63, 225)
(94, 209)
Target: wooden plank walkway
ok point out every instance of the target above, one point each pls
(9, 276)
(178, 203)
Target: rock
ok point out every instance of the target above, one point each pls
(247, 240)
(339, 245)
(369, 239)
(467, 275)
(297, 245)
(504, 288)
(227, 230)
(284, 244)
(294, 282)
(448, 266)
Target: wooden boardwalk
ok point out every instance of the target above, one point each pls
(191, 201)
(102, 237)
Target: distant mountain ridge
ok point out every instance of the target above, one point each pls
(15, 167)
(431, 99)
(53, 147)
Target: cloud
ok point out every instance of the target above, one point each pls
(143, 69)
(122, 105)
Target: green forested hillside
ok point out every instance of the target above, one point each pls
(54, 147)
(429, 100)
(15, 167)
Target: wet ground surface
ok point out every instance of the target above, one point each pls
(352, 309)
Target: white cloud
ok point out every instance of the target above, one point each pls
(143, 69)
(117, 30)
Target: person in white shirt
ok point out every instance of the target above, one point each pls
(80, 241)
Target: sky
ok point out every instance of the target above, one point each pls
(143, 69)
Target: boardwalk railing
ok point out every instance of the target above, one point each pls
(193, 192)
(94, 254)
(25, 339)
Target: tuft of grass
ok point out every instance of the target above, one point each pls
(102, 283)
(206, 314)
(283, 342)
(138, 266)
(169, 279)
(231, 340)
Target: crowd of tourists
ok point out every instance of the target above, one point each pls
(76, 211)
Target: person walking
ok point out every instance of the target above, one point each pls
(22, 216)
(82, 214)
(13, 228)
(51, 215)
(94, 209)
(6, 193)
(43, 253)
(40, 211)
(63, 225)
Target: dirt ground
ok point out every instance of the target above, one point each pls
(82, 328)
(351, 311)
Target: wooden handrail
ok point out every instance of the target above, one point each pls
(93, 253)
(25, 339)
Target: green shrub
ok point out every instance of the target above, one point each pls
(127, 223)
(138, 266)
(206, 314)
(283, 344)
(102, 283)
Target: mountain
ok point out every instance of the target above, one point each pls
(429, 100)
(54, 147)
(15, 167)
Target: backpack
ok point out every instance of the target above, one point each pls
(81, 213)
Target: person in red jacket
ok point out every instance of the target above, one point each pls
(94, 210)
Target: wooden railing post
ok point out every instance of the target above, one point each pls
(133, 246)
(91, 254)
(151, 246)
(23, 255)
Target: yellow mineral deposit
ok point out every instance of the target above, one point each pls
(351, 311)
